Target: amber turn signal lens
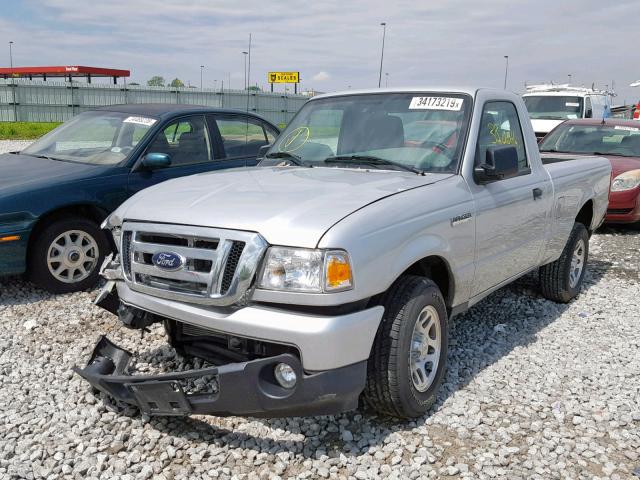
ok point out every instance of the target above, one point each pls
(338, 273)
(10, 238)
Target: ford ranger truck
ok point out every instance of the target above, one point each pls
(327, 275)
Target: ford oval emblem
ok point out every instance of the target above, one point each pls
(167, 261)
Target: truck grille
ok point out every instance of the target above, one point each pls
(205, 265)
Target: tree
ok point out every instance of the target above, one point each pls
(156, 81)
(254, 88)
(176, 82)
(134, 83)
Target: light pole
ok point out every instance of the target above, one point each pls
(249, 68)
(386, 79)
(10, 54)
(506, 70)
(384, 32)
(215, 84)
(569, 79)
(201, 68)
(245, 69)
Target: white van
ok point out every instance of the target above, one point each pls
(550, 105)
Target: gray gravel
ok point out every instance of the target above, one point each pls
(534, 390)
(13, 145)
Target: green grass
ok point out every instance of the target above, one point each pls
(25, 130)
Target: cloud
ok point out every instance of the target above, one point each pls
(321, 77)
(454, 42)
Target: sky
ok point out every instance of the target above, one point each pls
(336, 45)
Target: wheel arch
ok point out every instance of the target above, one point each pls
(84, 210)
(585, 215)
(437, 269)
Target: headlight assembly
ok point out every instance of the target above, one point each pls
(626, 181)
(111, 222)
(306, 270)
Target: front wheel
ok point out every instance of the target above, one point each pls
(408, 358)
(67, 254)
(561, 280)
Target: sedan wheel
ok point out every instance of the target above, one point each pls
(72, 256)
(66, 255)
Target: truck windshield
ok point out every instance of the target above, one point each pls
(619, 140)
(98, 137)
(547, 107)
(389, 131)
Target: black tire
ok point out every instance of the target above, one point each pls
(39, 271)
(555, 277)
(390, 389)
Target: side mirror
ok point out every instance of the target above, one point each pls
(262, 151)
(501, 162)
(588, 113)
(156, 160)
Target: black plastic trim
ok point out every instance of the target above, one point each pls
(246, 388)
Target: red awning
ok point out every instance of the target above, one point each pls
(63, 71)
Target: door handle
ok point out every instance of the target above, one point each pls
(537, 193)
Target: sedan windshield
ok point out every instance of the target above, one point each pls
(619, 140)
(553, 107)
(395, 131)
(97, 137)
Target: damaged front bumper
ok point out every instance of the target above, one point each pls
(246, 388)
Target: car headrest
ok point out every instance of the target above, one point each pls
(632, 143)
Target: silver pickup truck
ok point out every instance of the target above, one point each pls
(327, 274)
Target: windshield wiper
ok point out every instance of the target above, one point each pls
(370, 160)
(46, 157)
(553, 150)
(295, 159)
(611, 154)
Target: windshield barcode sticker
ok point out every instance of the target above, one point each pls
(628, 129)
(571, 104)
(436, 103)
(140, 120)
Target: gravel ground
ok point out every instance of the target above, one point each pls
(13, 145)
(534, 390)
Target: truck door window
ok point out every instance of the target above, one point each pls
(241, 137)
(588, 109)
(500, 125)
(185, 140)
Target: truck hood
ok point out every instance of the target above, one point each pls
(544, 126)
(286, 205)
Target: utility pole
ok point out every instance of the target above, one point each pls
(201, 68)
(386, 79)
(569, 79)
(384, 33)
(506, 70)
(10, 54)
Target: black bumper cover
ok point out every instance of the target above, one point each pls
(246, 388)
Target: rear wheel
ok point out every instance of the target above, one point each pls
(67, 254)
(561, 280)
(408, 358)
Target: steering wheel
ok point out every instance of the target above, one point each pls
(440, 145)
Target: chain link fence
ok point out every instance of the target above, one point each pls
(24, 100)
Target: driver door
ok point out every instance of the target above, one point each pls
(188, 142)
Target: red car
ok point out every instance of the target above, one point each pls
(619, 141)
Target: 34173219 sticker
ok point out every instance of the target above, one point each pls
(436, 103)
(140, 120)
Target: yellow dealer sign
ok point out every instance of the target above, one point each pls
(283, 77)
